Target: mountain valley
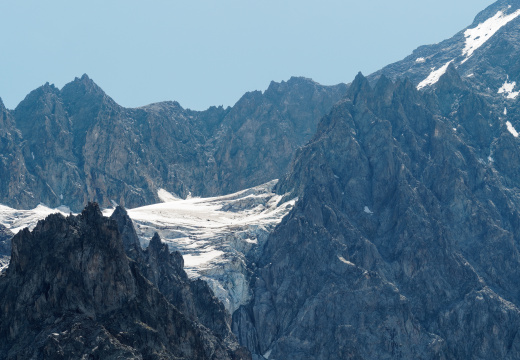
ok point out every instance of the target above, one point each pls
(374, 220)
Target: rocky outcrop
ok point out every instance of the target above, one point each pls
(5, 240)
(75, 145)
(5, 246)
(404, 242)
(261, 133)
(70, 291)
(16, 182)
(165, 270)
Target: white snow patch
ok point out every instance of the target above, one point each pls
(16, 220)
(420, 60)
(4, 263)
(61, 196)
(214, 235)
(508, 89)
(367, 210)
(511, 129)
(470, 75)
(197, 260)
(342, 259)
(478, 36)
(32, 154)
(505, 111)
(454, 129)
(434, 76)
(490, 159)
(267, 354)
(165, 196)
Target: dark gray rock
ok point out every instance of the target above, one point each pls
(5, 240)
(165, 270)
(5, 246)
(404, 241)
(16, 182)
(75, 145)
(71, 292)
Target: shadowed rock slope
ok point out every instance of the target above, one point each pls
(404, 243)
(70, 292)
(74, 145)
(193, 298)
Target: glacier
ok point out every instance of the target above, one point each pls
(218, 236)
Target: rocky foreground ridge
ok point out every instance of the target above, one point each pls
(71, 291)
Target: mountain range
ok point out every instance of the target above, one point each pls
(74, 145)
(392, 233)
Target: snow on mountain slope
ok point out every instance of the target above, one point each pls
(477, 36)
(485, 54)
(434, 76)
(216, 235)
(16, 220)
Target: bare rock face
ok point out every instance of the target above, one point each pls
(262, 132)
(70, 291)
(76, 145)
(165, 270)
(5, 246)
(16, 182)
(404, 243)
(5, 240)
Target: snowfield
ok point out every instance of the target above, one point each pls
(215, 235)
(16, 220)
(479, 35)
(508, 90)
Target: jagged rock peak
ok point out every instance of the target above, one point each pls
(120, 211)
(450, 80)
(40, 95)
(360, 86)
(83, 85)
(70, 291)
(128, 234)
(92, 213)
(156, 241)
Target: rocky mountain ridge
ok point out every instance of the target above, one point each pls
(71, 291)
(484, 55)
(74, 145)
(403, 243)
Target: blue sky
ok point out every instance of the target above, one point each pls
(207, 52)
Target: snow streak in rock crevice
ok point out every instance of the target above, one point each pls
(434, 76)
(511, 129)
